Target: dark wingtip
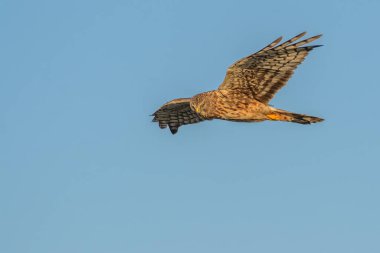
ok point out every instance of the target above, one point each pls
(173, 130)
(309, 48)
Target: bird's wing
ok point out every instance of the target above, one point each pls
(175, 114)
(262, 74)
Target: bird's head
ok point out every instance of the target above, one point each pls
(196, 103)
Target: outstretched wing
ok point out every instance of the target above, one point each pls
(175, 114)
(262, 74)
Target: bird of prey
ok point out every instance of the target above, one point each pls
(244, 94)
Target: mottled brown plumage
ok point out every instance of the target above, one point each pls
(249, 85)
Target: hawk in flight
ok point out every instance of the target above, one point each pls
(248, 86)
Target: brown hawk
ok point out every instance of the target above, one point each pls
(248, 86)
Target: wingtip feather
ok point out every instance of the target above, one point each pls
(301, 34)
(277, 40)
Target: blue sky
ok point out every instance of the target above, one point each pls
(83, 168)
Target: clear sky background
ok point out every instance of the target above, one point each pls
(83, 168)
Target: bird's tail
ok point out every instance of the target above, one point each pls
(282, 115)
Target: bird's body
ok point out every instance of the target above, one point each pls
(229, 105)
(245, 92)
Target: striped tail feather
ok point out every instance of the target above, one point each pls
(280, 115)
